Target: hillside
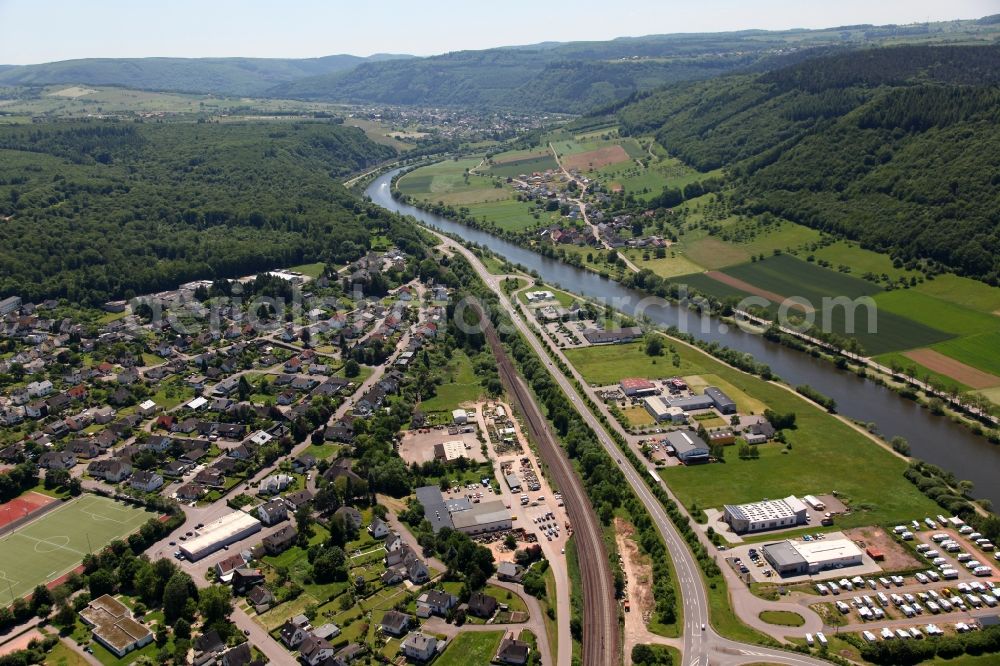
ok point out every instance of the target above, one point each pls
(898, 147)
(181, 201)
(221, 76)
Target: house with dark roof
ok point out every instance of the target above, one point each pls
(350, 515)
(395, 623)
(513, 652)
(280, 541)
(273, 512)
(260, 598)
(435, 602)
(482, 605)
(313, 650)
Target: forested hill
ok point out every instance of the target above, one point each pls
(222, 76)
(897, 147)
(93, 211)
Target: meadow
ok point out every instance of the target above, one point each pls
(459, 385)
(509, 214)
(524, 166)
(471, 647)
(979, 351)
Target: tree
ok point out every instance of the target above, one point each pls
(65, 617)
(330, 565)
(654, 345)
(175, 596)
(351, 368)
(100, 582)
(182, 629)
(215, 603)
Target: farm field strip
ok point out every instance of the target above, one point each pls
(956, 370)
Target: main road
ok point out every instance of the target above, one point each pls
(702, 645)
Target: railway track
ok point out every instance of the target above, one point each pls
(600, 612)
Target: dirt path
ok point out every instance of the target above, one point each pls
(960, 372)
(742, 285)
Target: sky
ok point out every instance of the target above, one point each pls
(33, 31)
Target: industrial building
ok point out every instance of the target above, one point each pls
(711, 398)
(661, 411)
(226, 530)
(688, 447)
(766, 515)
(451, 450)
(796, 558)
(485, 517)
(722, 402)
(461, 514)
(634, 386)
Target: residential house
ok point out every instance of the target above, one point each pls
(435, 602)
(210, 477)
(482, 605)
(313, 650)
(146, 482)
(260, 598)
(280, 541)
(245, 579)
(350, 515)
(292, 634)
(419, 646)
(513, 652)
(56, 460)
(207, 647)
(297, 499)
(274, 484)
(378, 529)
(112, 471)
(190, 491)
(273, 512)
(395, 623)
(225, 568)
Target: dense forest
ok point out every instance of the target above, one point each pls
(221, 76)
(99, 210)
(897, 147)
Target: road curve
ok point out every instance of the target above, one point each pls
(600, 609)
(701, 646)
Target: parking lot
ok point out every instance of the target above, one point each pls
(757, 569)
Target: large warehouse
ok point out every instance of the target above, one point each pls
(481, 518)
(688, 446)
(766, 515)
(226, 530)
(796, 558)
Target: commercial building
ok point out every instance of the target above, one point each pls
(617, 336)
(662, 411)
(226, 530)
(634, 386)
(482, 518)
(688, 447)
(113, 626)
(766, 515)
(448, 451)
(796, 558)
(513, 482)
(722, 402)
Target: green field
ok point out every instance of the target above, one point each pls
(713, 252)
(509, 214)
(979, 351)
(525, 166)
(937, 312)
(963, 291)
(471, 647)
(460, 385)
(790, 277)
(861, 260)
(824, 455)
(310, 270)
(57, 542)
(441, 178)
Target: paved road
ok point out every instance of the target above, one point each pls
(702, 645)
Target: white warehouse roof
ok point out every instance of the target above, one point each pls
(818, 552)
(228, 529)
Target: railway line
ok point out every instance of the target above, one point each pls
(600, 612)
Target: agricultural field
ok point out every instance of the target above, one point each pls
(979, 351)
(936, 312)
(525, 165)
(963, 291)
(648, 180)
(510, 214)
(55, 543)
(438, 182)
(911, 367)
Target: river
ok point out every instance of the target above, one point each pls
(932, 438)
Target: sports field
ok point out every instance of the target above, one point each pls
(23, 506)
(49, 547)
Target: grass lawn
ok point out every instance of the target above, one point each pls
(436, 179)
(471, 647)
(322, 451)
(607, 364)
(460, 385)
(638, 416)
(782, 618)
(310, 270)
(63, 655)
(58, 541)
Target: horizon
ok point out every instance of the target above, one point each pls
(311, 29)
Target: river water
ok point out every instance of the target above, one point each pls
(932, 438)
